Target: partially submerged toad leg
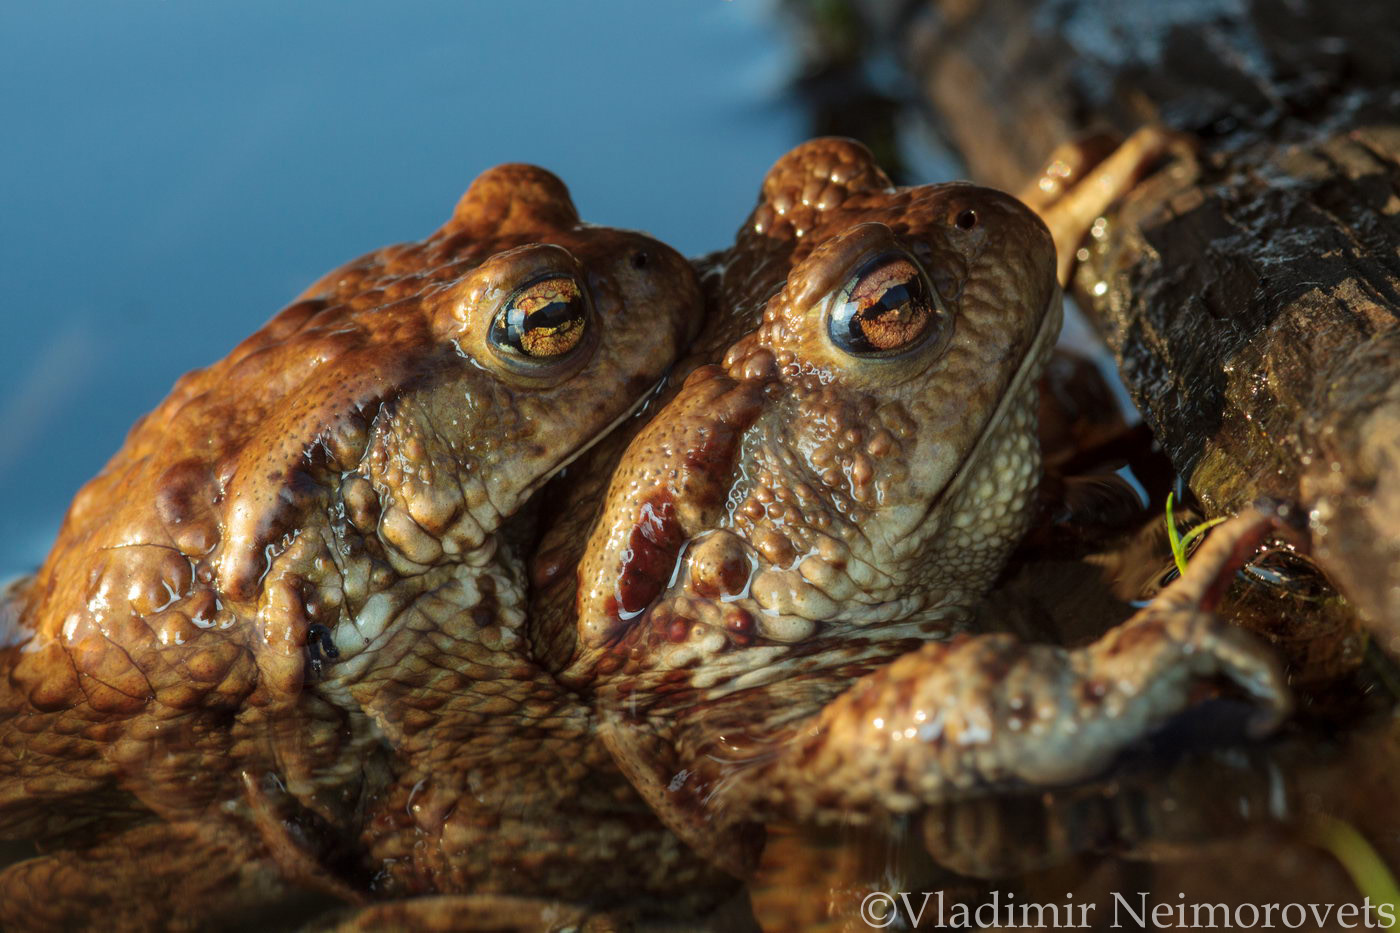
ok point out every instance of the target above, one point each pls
(787, 548)
(986, 712)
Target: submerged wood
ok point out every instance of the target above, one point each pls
(1250, 288)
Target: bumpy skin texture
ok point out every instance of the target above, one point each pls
(786, 549)
(291, 607)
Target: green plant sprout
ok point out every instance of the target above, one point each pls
(1361, 861)
(1180, 543)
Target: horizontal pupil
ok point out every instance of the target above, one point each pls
(554, 314)
(895, 297)
(887, 308)
(551, 330)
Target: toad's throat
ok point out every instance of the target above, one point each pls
(1032, 362)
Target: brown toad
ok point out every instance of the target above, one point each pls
(287, 617)
(774, 605)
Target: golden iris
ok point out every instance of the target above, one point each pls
(542, 320)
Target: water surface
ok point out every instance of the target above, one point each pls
(173, 173)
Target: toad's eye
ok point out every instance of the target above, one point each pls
(543, 320)
(886, 308)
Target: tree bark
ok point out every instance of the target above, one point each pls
(1250, 288)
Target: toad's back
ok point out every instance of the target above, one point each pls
(256, 582)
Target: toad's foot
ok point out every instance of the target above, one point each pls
(989, 712)
(1078, 184)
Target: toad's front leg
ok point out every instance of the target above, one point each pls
(987, 712)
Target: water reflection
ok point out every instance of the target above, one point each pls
(1233, 826)
(238, 158)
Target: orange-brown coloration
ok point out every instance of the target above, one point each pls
(303, 568)
(826, 440)
(848, 482)
(302, 582)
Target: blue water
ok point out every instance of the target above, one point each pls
(174, 172)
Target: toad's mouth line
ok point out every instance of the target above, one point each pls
(529, 491)
(1051, 318)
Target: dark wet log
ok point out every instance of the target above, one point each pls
(1250, 289)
